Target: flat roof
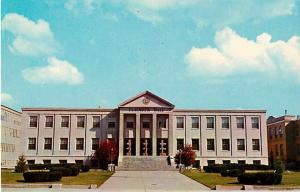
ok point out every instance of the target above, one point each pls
(175, 110)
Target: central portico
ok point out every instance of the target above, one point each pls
(145, 126)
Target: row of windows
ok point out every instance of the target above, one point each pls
(63, 145)
(210, 122)
(275, 132)
(9, 132)
(210, 144)
(5, 147)
(241, 162)
(6, 116)
(65, 122)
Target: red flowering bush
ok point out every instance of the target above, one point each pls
(188, 156)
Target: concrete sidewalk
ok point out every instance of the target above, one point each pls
(132, 181)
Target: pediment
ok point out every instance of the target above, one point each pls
(146, 99)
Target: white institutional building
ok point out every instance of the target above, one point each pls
(145, 126)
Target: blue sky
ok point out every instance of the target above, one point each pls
(204, 54)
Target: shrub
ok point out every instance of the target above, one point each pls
(231, 172)
(21, 165)
(75, 170)
(64, 171)
(106, 153)
(85, 168)
(268, 178)
(263, 178)
(54, 176)
(247, 178)
(38, 166)
(213, 168)
(279, 167)
(37, 176)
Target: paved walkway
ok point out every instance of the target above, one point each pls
(147, 181)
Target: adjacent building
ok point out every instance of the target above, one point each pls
(284, 138)
(10, 136)
(145, 126)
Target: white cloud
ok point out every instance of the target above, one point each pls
(5, 97)
(86, 5)
(235, 54)
(57, 71)
(31, 38)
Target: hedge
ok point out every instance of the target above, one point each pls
(64, 171)
(218, 167)
(263, 178)
(85, 168)
(75, 170)
(231, 172)
(41, 176)
(49, 166)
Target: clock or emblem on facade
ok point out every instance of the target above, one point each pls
(146, 101)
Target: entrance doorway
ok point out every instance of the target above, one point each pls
(129, 147)
(146, 147)
(162, 147)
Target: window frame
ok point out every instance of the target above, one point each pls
(30, 122)
(237, 123)
(209, 144)
(244, 146)
(213, 123)
(93, 144)
(198, 123)
(225, 139)
(96, 124)
(179, 123)
(62, 123)
(258, 122)
(29, 147)
(45, 144)
(197, 147)
(254, 146)
(79, 146)
(47, 122)
(225, 117)
(178, 144)
(80, 124)
(64, 144)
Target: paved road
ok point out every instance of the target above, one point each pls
(132, 181)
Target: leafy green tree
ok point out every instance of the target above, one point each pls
(21, 165)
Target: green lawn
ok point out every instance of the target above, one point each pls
(210, 179)
(91, 177)
(213, 179)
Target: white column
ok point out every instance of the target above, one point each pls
(154, 127)
(137, 134)
(121, 137)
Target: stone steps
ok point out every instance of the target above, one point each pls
(145, 164)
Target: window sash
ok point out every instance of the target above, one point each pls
(210, 122)
(255, 144)
(225, 122)
(179, 124)
(96, 121)
(240, 122)
(225, 144)
(195, 144)
(241, 144)
(80, 121)
(195, 122)
(211, 144)
(180, 144)
(65, 121)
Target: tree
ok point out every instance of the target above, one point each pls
(187, 156)
(106, 153)
(21, 165)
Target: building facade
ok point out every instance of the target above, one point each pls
(145, 126)
(284, 138)
(10, 136)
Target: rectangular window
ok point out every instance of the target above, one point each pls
(226, 162)
(146, 125)
(79, 143)
(240, 122)
(79, 162)
(31, 143)
(162, 124)
(63, 143)
(48, 144)
(111, 124)
(280, 131)
(255, 144)
(180, 144)
(225, 145)
(95, 143)
(33, 121)
(256, 162)
(210, 162)
(65, 121)
(281, 150)
(225, 122)
(63, 162)
(210, 122)
(80, 121)
(275, 132)
(195, 144)
(47, 161)
(129, 124)
(180, 122)
(49, 121)
(255, 122)
(241, 144)
(195, 123)
(96, 121)
(210, 144)
(30, 162)
(270, 133)
(241, 162)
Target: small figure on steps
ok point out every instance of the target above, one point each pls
(169, 160)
